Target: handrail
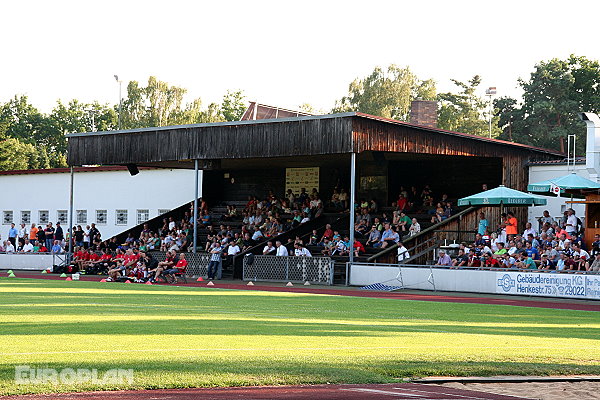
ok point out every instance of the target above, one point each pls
(280, 237)
(431, 229)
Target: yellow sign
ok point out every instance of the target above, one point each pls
(298, 178)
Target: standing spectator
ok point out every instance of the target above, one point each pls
(93, 233)
(281, 249)
(483, 224)
(23, 234)
(12, 235)
(571, 225)
(402, 252)
(511, 224)
(58, 233)
(33, 233)
(49, 232)
(215, 260)
(79, 236)
(41, 238)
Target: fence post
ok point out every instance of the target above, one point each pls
(287, 268)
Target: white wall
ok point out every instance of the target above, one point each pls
(98, 190)
(556, 205)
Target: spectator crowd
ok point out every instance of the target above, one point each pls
(548, 245)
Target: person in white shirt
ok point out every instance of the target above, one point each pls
(402, 252)
(269, 249)
(233, 249)
(23, 234)
(8, 247)
(281, 249)
(27, 247)
(257, 234)
(571, 227)
(529, 230)
(301, 251)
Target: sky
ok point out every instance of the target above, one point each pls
(281, 53)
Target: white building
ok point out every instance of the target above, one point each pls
(107, 196)
(587, 167)
(544, 170)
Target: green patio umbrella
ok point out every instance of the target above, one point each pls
(502, 196)
(561, 184)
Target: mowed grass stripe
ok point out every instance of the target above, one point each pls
(188, 337)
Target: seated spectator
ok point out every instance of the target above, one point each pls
(415, 227)
(358, 248)
(389, 237)
(179, 268)
(462, 260)
(27, 247)
(269, 249)
(56, 248)
(443, 258)
(404, 223)
(301, 251)
(313, 239)
(374, 236)
(327, 234)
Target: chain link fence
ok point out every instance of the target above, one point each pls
(317, 270)
(197, 262)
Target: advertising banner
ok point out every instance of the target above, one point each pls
(576, 286)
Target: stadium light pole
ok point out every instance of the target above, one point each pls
(352, 200)
(120, 98)
(491, 91)
(195, 204)
(70, 230)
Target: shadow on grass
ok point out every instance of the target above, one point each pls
(255, 371)
(155, 324)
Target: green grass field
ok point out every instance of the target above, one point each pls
(194, 337)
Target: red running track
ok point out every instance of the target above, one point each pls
(412, 391)
(505, 300)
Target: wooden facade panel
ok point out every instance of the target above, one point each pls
(276, 139)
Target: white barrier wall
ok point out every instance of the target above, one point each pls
(576, 286)
(34, 262)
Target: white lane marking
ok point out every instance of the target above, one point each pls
(458, 395)
(386, 392)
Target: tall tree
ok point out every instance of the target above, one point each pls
(466, 111)
(233, 105)
(552, 96)
(46, 145)
(386, 93)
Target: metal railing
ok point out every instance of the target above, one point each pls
(424, 233)
(318, 270)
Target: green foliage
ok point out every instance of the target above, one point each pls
(386, 93)
(555, 92)
(233, 105)
(160, 104)
(465, 111)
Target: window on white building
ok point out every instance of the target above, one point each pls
(121, 217)
(43, 216)
(62, 216)
(82, 216)
(26, 217)
(101, 217)
(162, 211)
(7, 217)
(142, 216)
